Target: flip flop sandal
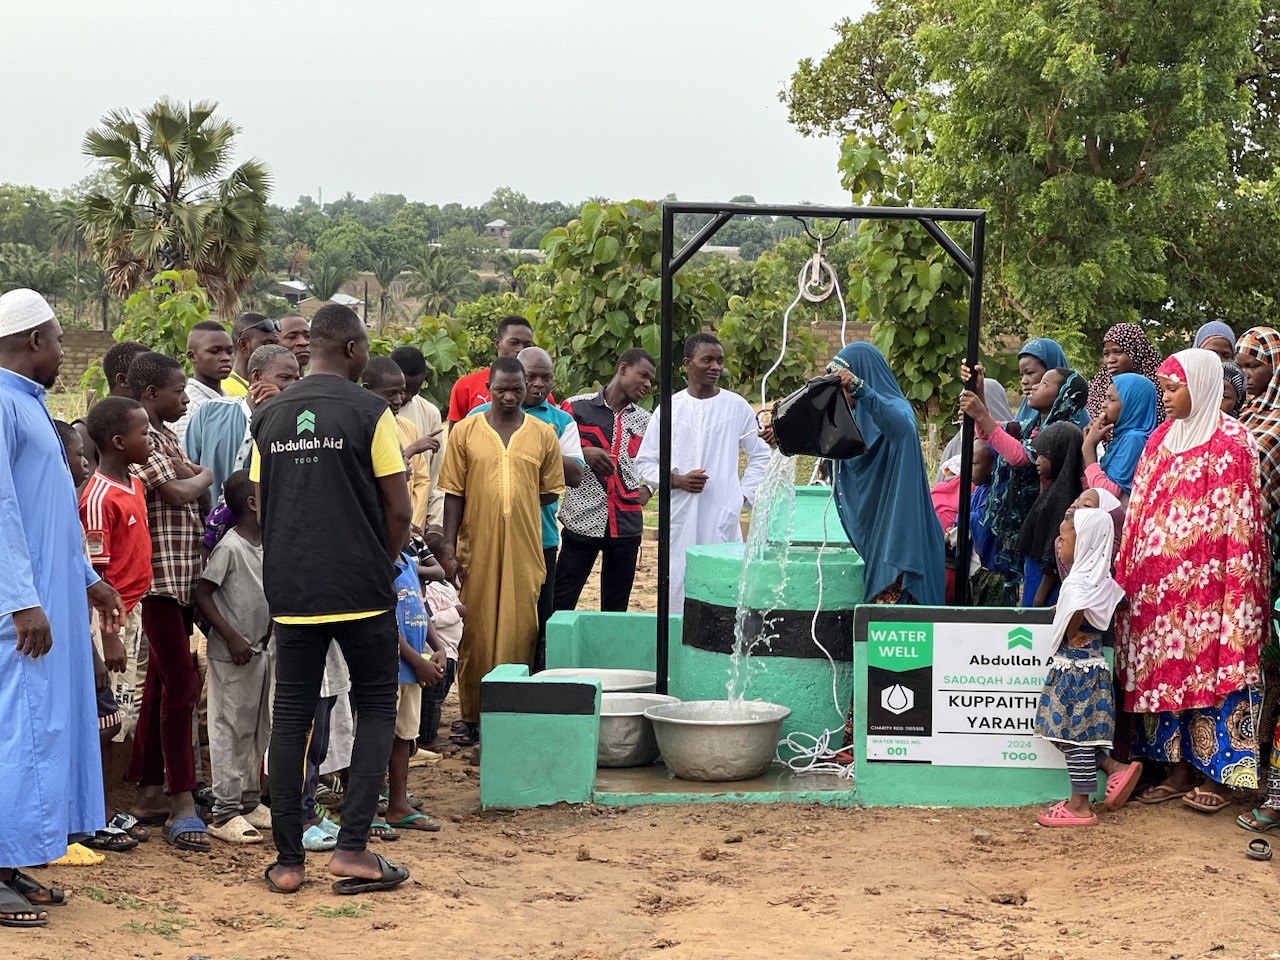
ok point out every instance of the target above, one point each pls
(13, 902)
(392, 876)
(27, 887)
(1120, 786)
(235, 830)
(130, 825)
(329, 827)
(173, 832)
(78, 855)
(110, 840)
(1059, 816)
(466, 736)
(1258, 849)
(271, 884)
(1257, 817)
(417, 821)
(382, 831)
(1160, 794)
(1196, 801)
(316, 840)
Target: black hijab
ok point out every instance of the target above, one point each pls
(1061, 443)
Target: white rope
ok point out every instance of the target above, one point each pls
(815, 290)
(807, 750)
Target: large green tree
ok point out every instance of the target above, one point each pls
(175, 201)
(441, 281)
(1120, 148)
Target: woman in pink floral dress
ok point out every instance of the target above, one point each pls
(1193, 564)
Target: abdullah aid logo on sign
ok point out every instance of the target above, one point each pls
(900, 679)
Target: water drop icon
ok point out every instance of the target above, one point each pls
(897, 699)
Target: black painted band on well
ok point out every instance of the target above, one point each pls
(563, 699)
(710, 626)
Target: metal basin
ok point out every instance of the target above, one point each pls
(611, 681)
(717, 739)
(626, 734)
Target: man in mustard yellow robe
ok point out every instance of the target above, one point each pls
(500, 467)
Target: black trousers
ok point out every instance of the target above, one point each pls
(546, 607)
(433, 704)
(617, 572)
(371, 648)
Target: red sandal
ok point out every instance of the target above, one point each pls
(1059, 816)
(1120, 786)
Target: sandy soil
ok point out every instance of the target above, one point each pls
(699, 883)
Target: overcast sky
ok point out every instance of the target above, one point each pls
(440, 101)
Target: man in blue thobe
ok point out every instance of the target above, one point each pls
(49, 754)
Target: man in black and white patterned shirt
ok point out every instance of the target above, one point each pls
(605, 514)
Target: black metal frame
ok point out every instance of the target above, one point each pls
(722, 213)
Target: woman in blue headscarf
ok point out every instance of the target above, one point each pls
(1129, 415)
(1217, 337)
(1036, 358)
(883, 495)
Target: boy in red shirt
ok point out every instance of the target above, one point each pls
(472, 390)
(113, 511)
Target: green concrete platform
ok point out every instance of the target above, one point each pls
(628, 786)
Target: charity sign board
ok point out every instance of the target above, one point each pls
(955, 687)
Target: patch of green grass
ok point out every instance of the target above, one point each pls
(121, 901)
(271, 920)
(166, 927)
(352, 910)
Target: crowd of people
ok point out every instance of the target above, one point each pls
(291, 534)
(294, 558)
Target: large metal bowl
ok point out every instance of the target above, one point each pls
(717, 739)
(611, 681)
(626, 734)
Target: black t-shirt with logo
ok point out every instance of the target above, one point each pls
(323, 524)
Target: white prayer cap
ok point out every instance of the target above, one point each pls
(22, 310)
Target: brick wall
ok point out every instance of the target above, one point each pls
(80, 348)
(828, 336)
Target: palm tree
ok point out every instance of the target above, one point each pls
(441, 281)
(172, 201)
(385, 271)
(326, 274)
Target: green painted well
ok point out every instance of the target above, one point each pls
(536, 759)
(622, 641)
(813, 505)
(713, 574)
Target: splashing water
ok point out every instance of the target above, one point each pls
(763, 580)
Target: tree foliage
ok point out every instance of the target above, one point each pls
(1123, 152)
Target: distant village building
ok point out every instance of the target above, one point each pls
(499, 231)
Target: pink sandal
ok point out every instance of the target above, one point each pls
(1059, 816)
(1120, 786)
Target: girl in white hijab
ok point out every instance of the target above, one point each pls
(1077, 706)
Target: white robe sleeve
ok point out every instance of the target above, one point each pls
(646, 461)
(757, 452)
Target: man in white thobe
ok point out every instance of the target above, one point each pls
(708, 427)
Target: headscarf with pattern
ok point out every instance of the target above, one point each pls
(1235, 376)
(1132, 339)
(1262, 413)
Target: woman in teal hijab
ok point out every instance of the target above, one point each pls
(882, 496)
(1036, 358)
(1125, 432)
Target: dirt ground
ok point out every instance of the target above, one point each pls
(698, 883)
(732, 881)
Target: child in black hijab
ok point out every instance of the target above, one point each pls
(1059, 464)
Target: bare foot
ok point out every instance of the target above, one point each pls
(285, 879)
(355, 863)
